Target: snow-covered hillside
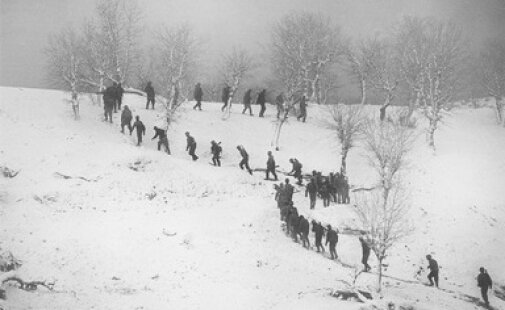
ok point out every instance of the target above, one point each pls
(144, 230)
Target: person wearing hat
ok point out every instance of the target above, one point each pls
(216, 150)
(163, 140)
(332, 239)
(191, 146)
(150, 95)
(296, 171)
(484, 282)
(270, 166)
(433, 267)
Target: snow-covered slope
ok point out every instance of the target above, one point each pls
(144, 230)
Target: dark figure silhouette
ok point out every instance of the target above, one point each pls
(247, 102)
(311, 191)
(433, 267)
(141, 129)
(198, 95)
(216, 150)
(150, 95)
(332, 239)
(245, 159)
(225, 97)
(303, 109)
(366, 253)
(318, 230)
(270, 166)
(163, 140)
(126, 119)
(191, 146)
(484, 282)
(261, 100)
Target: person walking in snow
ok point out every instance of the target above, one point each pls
(325, 192)
(484, 282)
(161, 134)
(332, 239)
(261, 100)
(75, 106)
(365, 249)
(318, 230)
(245, 159)
(216, 149)
(150, 95)
(296, 171)
(198, 96)
(433, 267)
(247, 102)
(141, 129)
(126, 119)
(270, 166)
(119, 94)
(109, 97)
(303, 109)
(304, 229)
(191, 146)
(279, 102)
(289, 189)
(225, 96)
(311, 191)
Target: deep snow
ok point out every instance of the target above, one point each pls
(110, 246)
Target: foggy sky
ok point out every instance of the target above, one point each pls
(26, 24)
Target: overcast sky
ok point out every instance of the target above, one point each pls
(26, 24)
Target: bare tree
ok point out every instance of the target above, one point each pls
(492, 74)
(384, 220)
(235, 67)
(347, 120)
(383, 212)
(412, 52)
(385, 73)
(441, 72)
(176, 61)
(360, 58)
(65, 61)
(328, 86)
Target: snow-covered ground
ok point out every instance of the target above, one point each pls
(144, 230)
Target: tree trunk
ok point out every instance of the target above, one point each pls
(343, 167)
(379, 284)
(499, 109)
(363, 92)
(431, 133)
(100, 89)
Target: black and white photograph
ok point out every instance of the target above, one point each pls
(252, 154)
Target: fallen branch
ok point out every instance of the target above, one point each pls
(66, 177)
(24, 285)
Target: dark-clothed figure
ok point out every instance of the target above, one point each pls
(325, 192)
(225, 96)
(126, 119)
(303, 229)
(294, 224)
(109, 98)
(141, 129)
(311, 191)
(365, 254)
(332, 239)
(318, 230)
(261, 100)
(289, 189)
(296, 171)
(163, 140)
(245, 159)
(119, 97)
(191, 146)
(198, 96)
(247, 102)
(150, 95)
(271, 166)
(216, 150)
(433, 267)
(303, 109)
(484, 282)
(279, 102)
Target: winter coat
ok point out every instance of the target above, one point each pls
(190, 142)
(484, 280)
(303, 104)
(160, 133)
(289, 189)
(318, 231)
(243, 153)
(141, 129)
(311, 189)
(119, 92)
(149, 91)
(303, 226)
(109, 97)
(433, 265)
(365, 248)
(261, 98)
(216, 149)
(247, 97)
(126, 116)
(271, 162)
(226, 94)
(331, 237)
(198, 93)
